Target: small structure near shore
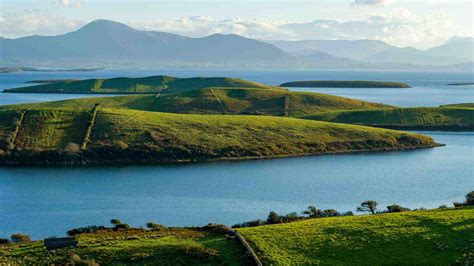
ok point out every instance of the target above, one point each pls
(60, 242)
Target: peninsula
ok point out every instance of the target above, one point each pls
(344, 84)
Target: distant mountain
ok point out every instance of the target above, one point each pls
(111, 44)
(458, 47)
(455, 51)
(355, 50)
(103, 39)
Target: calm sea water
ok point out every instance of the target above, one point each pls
(429, 88)
(48, 201)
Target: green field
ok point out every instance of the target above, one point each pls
(306, 105)
(47, 135)
(171, 246)
(424, 237)
(153, 84)
(435, 237)
(437, 118)
(224, 101)
(345, 84)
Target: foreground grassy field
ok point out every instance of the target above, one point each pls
(435, 237)
(172, 246)
(47, 136)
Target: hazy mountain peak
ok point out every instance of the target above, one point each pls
(105, 25)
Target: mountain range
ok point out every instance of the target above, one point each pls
(112, 44)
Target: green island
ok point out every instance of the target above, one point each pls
(192, 120)
(123, 85)
(441, 236)
(461, 84)
(345, 84)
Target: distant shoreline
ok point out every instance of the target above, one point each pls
(7, 70)
(345, 84)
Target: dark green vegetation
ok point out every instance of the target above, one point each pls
(306, 105)
(460, 105)
(435, 118)
(345, 84)
(460, 84)
(208, 245)
(55, 135)
(434, 237)
(154, 84)
(224, 101)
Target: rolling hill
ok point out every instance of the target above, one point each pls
(153, 84)
(435, 237)
(104, 40)
(110, 136)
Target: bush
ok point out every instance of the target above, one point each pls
(72, 148)
(115, 221)
(121, 145)
(273, 218)
(20, 238)
(121, 227)
(469, 200)
(84, 230)
(396, 208)
(4, 241)
(155, 226)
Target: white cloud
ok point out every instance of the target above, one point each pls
(34, 21)
(68, 3)
(372, 2)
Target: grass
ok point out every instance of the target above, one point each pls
(345, 84)
(223, 101)
(435, 237)
(306, 105)
(123, 135)
(414, 118)
(171, 246)
(154, 84)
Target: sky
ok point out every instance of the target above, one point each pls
(416, 23)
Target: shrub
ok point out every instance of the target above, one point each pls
(470, 198)
(72, 148)
(115, 221)
(273, 218)
(20, 238)
(121, 145)
(4, 241)
(155, 226)
(312, 212)
(121, 227)
(84, 230)
(397, 208)
(442, 207)
(330, 213)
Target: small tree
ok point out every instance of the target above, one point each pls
(115, 221)
(20, 238)
(155, 226)
(330, 213)
(4, 241)
(396, 208)
(368, 206)
(312, 212)
(470, 198)
(273, 218)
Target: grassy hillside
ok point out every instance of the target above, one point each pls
(48, 136)
(224, 101)
(307, 105)
(345, 84)
(437, 237)
(459, 105)
(407, 118)
(172, 246)
(154, 84)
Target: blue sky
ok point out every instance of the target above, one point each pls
(419, 23)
